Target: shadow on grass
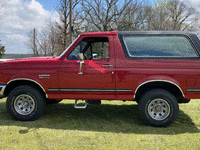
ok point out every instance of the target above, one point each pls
(103, 118)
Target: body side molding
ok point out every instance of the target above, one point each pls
(193, 89)
(88, 90)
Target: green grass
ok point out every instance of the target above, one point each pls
(112, 125)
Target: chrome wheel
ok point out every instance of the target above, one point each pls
(159, 109)
(24, 104)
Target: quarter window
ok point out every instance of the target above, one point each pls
(74, 54)
(159, 46)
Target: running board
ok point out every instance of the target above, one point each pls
(80, 107)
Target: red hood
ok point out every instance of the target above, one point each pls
(32, 59)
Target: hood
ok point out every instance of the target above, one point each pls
(2, 60)
(31, 59)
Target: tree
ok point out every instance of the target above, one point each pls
(101, 15)
(2, 50)
(44, 43)
(157, 17)
(108, 15)
(47, 41)
(63, 27)
(53, 39)
(170, 15)
(181, 16)
(32, 44)
(132, 18)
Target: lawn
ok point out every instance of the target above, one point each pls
(112, 125)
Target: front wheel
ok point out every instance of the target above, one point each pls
(158, 108)
(25, 103)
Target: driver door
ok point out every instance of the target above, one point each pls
(96, 80)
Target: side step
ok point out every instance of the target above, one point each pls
(80, 107)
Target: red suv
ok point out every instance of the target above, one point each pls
(158, 70)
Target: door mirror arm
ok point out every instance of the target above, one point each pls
(80, 58)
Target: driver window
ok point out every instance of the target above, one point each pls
(92, 48)
(88, 53)
(100, 49)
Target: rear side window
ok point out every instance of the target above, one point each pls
(159, 46)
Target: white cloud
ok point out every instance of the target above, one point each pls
(15, 43)
(193, 3)
(18, 17)
(15, 37)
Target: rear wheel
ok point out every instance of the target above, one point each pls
(158, 108)
(25, 103)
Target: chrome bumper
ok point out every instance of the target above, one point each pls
(2, 89)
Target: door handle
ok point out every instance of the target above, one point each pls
(107, 66)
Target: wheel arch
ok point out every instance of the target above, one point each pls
(163, 84)
(23, 81)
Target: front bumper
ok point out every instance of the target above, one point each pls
(2, 89)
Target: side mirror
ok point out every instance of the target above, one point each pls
(80, 56)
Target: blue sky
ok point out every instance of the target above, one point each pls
(19, 17)
(49, 5)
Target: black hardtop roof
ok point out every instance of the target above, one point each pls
(155, 33)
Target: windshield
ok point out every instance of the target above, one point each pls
(68, 47)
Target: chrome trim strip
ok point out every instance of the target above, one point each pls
(87, 90)
(158, 81)
(94, 90)
(31, 81)
(53, 90)
(193, 89)
(2, 89)
(44, 77)
(123, 90)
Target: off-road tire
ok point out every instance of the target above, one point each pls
(25, 103)
(158, 107)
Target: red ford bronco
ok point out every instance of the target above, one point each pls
(158, 70)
